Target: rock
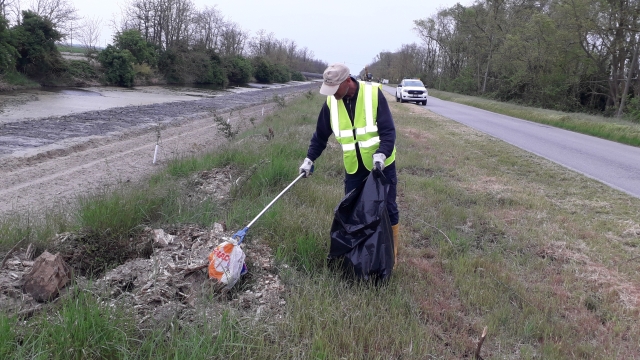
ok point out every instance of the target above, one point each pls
(49, 274)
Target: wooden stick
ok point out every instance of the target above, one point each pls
(25, 314)
(29, 252)
(484, 335)
(6, 257)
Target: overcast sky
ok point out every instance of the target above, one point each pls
(352, 32)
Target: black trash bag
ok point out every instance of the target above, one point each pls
(361, 234)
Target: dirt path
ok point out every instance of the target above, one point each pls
(86, 152)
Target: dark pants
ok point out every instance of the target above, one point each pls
(351, 181)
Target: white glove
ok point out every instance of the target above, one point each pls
(306, 167)
(378, 160)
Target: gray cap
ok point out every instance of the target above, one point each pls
(333, 76)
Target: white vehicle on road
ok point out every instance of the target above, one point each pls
(412, 90)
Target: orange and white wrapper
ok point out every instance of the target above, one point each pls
(226, 263)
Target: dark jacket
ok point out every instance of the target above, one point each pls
(386, 128)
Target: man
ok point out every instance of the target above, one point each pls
(357, 113)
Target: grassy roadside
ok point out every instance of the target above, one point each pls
(618, 130)
(493, 236)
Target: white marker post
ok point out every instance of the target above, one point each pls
(155, 153)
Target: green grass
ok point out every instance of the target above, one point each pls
(618, 130)
(492, 236)
(82, 328)
(16, 78)
(37, 229)
(71, 49)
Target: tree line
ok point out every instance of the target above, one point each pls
(571, 55)
(171, 39)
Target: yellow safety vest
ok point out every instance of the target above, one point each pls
(363, 131)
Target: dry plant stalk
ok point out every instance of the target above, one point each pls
(484, 335)
(6, 257)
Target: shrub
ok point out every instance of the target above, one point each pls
(224, 127)
(184, 66)
(297, 76)
(632, 111)
(118, 65)
(142, 70)
(169, 64)
(81, 69)
(217, 75)
(281, 73)
(263, 70)
(142, 51)
(8, 53)
(35, 41)
(206, 68)
(239, 70)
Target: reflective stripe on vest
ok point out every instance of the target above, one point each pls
(364, 129)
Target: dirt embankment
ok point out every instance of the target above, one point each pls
(49, 161)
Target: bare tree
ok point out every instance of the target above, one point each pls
(175, 18)
(166, 23)
(60, 12)
(5, 7)
(207, 26)
(292, 51)
(262, 44)
(232, 40)
(178, 25)
(12, 11)
(139, 15)
(305, 54)
(89, 33)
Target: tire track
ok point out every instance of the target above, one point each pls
(100, 163)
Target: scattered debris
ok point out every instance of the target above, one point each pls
(11, 252)
(161, 239)
(162, 273)
(12, 297)
(172, 283)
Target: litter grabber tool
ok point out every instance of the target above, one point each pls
(226, 261)
(239, 236)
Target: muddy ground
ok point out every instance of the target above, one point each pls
(47, 162)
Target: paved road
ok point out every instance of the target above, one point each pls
(609, 162)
